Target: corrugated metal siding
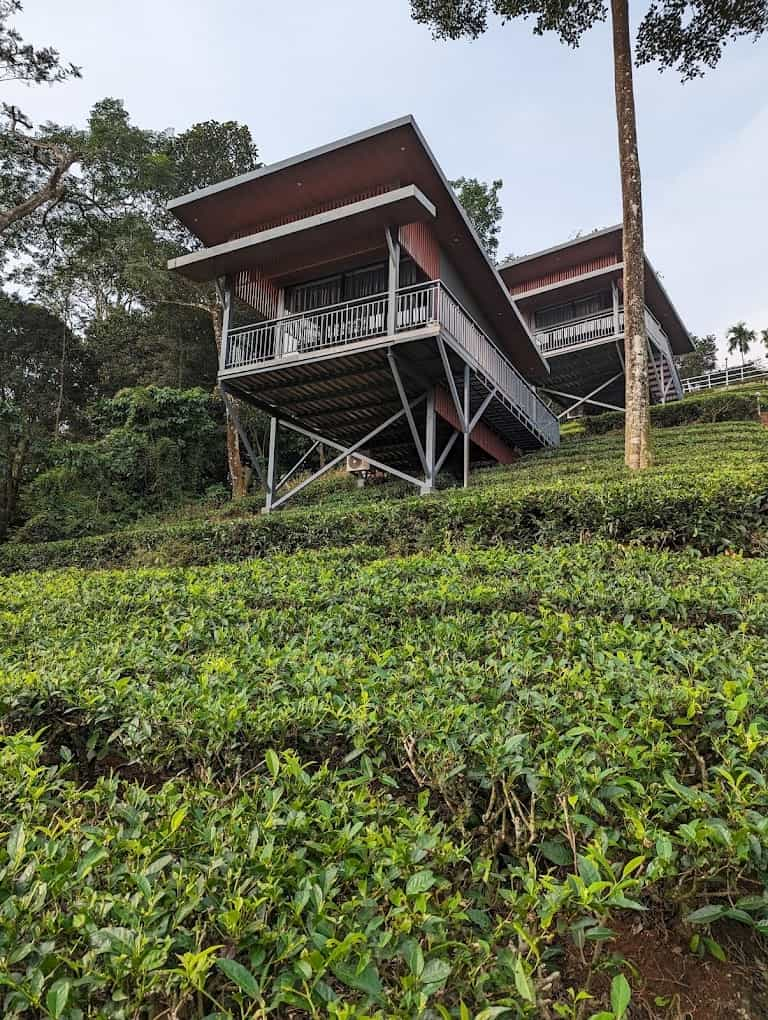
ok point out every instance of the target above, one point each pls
(569, 273)
(258, 291)
(419, 241)
(481, 435)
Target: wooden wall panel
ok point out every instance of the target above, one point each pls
(257, 290)
(567, 273)
(420, 243)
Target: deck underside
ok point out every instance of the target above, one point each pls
(343, 395)
(583, 369)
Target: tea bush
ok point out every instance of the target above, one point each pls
(739, 403)
(709, 490)
(338, 784)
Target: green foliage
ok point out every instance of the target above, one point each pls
(707, 489)
(365, 787)
(20, 61)
(156, 446)
(208, 152)
(45, 379)
(739, 403)
(740, 338)
(481, 203)
(692, 34)
(686, 34)
(702, 359)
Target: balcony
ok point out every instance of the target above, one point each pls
(579, 331)
(595, 328)
(428, 307)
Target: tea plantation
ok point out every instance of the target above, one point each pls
(406, 763)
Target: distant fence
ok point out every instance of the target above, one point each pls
(752, 371)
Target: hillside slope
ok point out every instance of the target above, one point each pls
(466, 781)
(709, 489)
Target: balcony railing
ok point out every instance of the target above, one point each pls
(579, 331)
(734, 375)
(416, 307)
(595, 327)
(306, 332)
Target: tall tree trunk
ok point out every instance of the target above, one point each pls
(62, 368)
(637, 427)
(238, 476)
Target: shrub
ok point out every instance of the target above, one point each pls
(332, 784)
(737, 404)
(156, 447)
(695, 496)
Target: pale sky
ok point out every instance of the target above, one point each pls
(510, 105)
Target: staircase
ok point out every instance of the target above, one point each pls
(663, 382)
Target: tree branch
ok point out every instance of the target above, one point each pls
(51, 190)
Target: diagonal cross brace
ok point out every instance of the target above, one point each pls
(451, 383)
(407, 408)
(292, 471)
(346, 450)
(585, 400)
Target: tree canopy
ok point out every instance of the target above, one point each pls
(740, 339)
(482, 204)
(688, 35)
(702, 359)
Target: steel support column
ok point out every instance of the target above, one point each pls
(406, 407)
(467, 426)
(224, 294)
(271, 465)
(429, 444)
(393, 281)
(451, 383)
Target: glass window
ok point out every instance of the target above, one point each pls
(581, 308)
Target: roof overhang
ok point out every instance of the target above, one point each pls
(378, 162)
(601, 244)
(309, 237)
(562, 256)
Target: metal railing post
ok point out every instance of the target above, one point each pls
(393, 279)
(224, 291)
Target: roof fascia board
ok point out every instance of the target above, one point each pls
(524, 295)
(666, 296)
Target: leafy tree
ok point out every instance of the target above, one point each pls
(690, 35)
(162, 346)
(687, 34)
(33, 165)
(103, 256)
(740, 338)
(45, 381)
(151, 448)
(208, 152)
(481, 203)
(703, 357)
